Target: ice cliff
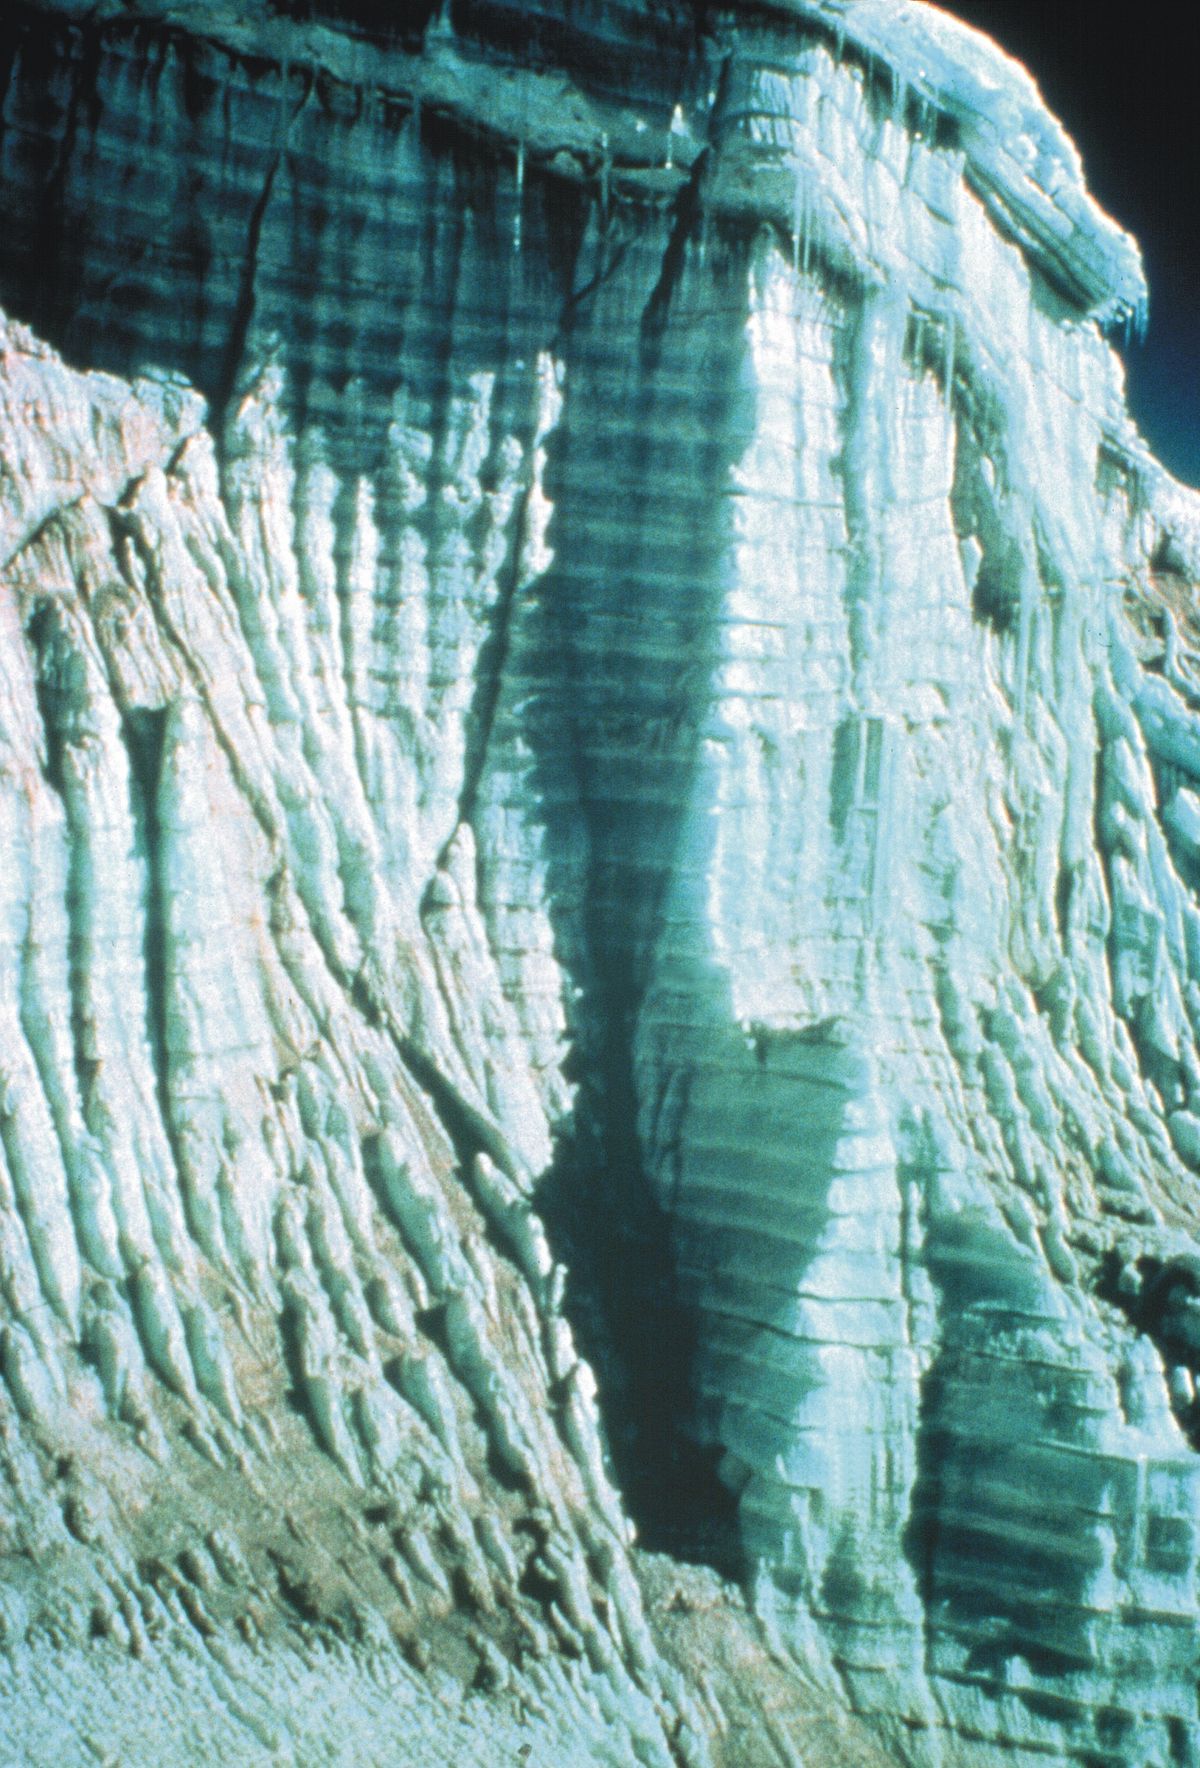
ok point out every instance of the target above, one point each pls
(599, 900)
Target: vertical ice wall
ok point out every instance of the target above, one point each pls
(692, 671)
(891, 1071)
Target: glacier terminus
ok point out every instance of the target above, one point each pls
(599, 900)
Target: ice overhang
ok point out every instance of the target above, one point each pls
(1018, 158)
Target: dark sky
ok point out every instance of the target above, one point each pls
(1130, 98)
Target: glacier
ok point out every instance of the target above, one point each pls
(599, 900)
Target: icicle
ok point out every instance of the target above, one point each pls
(520, 196)
(678, 127)
(1024, 638)
(801, 223)
(950, 343)
(605, 171)
(797, 222)
(899, 94)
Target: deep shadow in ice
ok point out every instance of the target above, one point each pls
(621, 648)
(1004, 1412)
